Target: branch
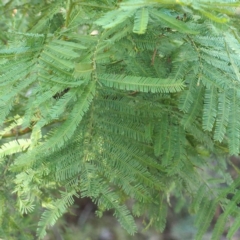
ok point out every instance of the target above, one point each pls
(17, 131)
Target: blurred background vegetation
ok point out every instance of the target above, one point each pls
(82, 224)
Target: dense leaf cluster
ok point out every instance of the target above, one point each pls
(115, 100)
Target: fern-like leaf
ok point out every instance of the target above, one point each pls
(233, 131)
(209, 109)
(50, 216)
(70, 125)
(140, 21)
(109, 200)
(115, 17)
(205, 217)
(14, 146)
(229, 210)
(222, 116)
(172, 22)
(142, 84)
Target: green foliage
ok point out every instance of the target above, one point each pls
(117, 100)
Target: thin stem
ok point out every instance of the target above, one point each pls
(69, 10)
